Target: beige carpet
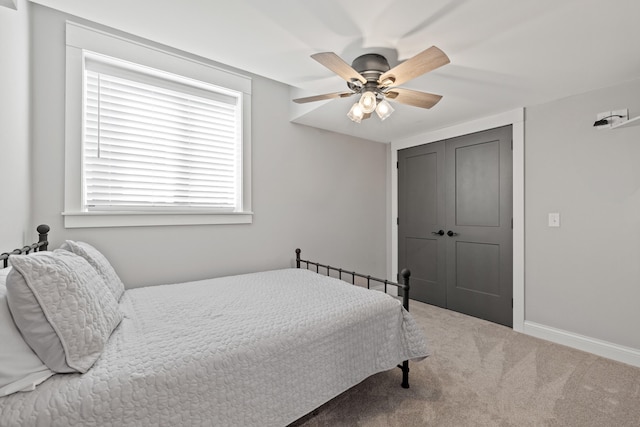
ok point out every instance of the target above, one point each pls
(483, 374)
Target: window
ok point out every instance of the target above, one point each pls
(149, 144)
(155, 141)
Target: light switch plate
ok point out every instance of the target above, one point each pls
(554, 219)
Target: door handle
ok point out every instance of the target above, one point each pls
(438, 233)
(451, 233)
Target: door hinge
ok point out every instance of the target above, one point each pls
(512, 223)
(397, 165)
(512, 145)
(397, 221)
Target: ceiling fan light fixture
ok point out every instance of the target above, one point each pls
(371, 78)
(368, 102)
(356, 114)
(384, 109)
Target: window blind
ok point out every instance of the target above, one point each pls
(155, 142)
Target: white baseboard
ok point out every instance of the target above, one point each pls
(628, 355)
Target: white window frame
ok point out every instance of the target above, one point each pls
(80, 38)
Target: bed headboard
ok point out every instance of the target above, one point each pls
(41, 245)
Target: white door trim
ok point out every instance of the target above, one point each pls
(514, 118)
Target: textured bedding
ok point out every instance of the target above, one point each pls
(259, 349)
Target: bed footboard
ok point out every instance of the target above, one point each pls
(404, 286)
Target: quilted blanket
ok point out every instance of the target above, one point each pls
(259, 349)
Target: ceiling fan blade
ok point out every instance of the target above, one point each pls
(413, 97)
(425, 61)
(338, 66)
(323, 97)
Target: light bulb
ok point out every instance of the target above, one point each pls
(368, 102)
(384, 109)
(356, 114)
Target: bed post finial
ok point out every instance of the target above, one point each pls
(298, 257)
(43, 236)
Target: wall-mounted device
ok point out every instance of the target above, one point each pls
(607, 119)
(615, 119)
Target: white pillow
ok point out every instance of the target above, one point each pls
(36, 329)
(20, 368)
(78, 312)
(99, 262)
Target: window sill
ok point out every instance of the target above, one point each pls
(143, 219)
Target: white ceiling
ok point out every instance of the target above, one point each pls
(504, 54)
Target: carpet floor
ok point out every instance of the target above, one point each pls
(484, 374)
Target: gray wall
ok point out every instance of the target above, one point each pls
(312, 189)
(14, 126)
(584, 277)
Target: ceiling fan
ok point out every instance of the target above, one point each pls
(371, 76)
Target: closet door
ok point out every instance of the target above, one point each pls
(462, 187)
(421, 221)
(479, 225)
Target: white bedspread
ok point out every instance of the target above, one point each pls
(259, 349)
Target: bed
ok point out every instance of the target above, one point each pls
(260, 349)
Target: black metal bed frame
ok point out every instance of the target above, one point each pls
(41, 245)
(404, 286)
